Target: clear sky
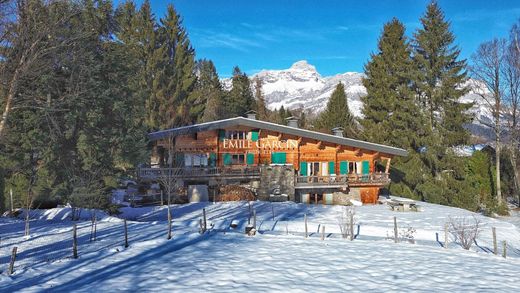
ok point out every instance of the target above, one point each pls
(335, 36)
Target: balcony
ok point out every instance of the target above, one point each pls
(338, 181)
(199, 172)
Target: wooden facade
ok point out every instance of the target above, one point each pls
(317, 163)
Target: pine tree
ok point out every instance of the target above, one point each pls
(440, 80)
(240, 99)
(261, 108)
(390, 113)
(178, 106)
(209, 91)
(337, 114)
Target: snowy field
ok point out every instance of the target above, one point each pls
(278, 258)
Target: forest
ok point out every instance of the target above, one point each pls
(83, 82)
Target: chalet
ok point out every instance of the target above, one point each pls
(270, 158)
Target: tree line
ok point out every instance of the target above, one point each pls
(83, 82)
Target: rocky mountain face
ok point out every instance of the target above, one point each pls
(301, 86)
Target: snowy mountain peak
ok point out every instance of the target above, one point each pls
(303, 65)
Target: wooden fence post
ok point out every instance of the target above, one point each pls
(169, 223)
(13, 258)
(323, 232)
(205, 222)
(395, 230)
(126, 234)
(249, 220)
(201, 227)
(162, 201)
(446, 236)
(306, 230)
(495, 245)
(74, 241)
(254, 219)
(272, 210)
(351, 226)
(504, 249)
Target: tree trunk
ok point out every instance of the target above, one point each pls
(9, 101)
(497, 153)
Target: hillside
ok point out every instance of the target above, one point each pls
(302, 86)
(278, 258)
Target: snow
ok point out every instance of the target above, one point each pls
(226, 260)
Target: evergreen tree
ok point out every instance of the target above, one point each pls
(240, 99)
(177, 105)
(440, 79)
(337, 114)
(209, 89)
(261, 108)
(390, 112)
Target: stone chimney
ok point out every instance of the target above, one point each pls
(337, 131)
(251, 114)
(292, 121)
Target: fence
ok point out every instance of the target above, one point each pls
(53, 240)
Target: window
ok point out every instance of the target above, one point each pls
(238, 159)
(236, 134)
(352, 168)
(195, 160)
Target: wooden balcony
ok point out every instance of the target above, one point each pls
(199, 172)
(338, 181)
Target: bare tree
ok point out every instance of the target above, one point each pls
(487, 68)
(465, 230)
(346, 222)
(512, 108)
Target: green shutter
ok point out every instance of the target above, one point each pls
(212, 159)
(221, 134)
(303, 168)
(227, 159)
(343, 167)
(366, 167)
(331, 168)
(254, 135)
(278, 158)
(179, 160)
(250, 159)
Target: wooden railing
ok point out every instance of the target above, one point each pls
(197, 172)
(343, 180)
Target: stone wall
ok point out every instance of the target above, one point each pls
(275, 176)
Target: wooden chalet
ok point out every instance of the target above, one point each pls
(306, 165)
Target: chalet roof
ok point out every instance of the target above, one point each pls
(252, 123)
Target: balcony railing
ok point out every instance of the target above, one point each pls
(343, 180)
(198, 172)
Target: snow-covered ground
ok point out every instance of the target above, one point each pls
(278, 258)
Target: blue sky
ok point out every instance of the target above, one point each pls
(335, 36)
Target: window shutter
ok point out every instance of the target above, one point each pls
(213, 159)
(221, 134)
(250, 159)
(227, 159)
(343, 167)
(254, 135)
(303, 168)
(366, 167)
(332, 170)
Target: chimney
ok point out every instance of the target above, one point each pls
(292, 121)
(337, 131)
(251, 114)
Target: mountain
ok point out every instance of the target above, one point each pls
(301, 86)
